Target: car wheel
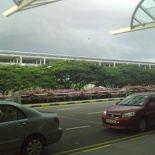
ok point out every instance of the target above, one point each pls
(33, 146)
(142, 125)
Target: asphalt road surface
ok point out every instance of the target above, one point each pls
(83, 130)
(143, 145)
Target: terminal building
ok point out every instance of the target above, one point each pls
(36, 59)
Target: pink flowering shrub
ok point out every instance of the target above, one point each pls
(41, 96)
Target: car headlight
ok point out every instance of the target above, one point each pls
(104, 112)
(128, 114)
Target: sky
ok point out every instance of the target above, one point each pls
(77, 28)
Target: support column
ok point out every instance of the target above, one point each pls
(40, 62)
(44, 60)
(17, 60)
(21, 60)
(114, 64)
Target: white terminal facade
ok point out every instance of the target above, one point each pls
(36, 59)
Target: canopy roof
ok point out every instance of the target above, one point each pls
(26, 4)
(143, 17)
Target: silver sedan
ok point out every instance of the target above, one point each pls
(26, 131)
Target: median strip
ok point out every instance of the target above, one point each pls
(71, 102)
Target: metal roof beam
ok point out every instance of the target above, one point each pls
(136, 28)
(16, 2)
(26, 4)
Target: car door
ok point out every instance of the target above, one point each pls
(13, 124)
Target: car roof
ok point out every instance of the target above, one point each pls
(10, 103)
(18, 105)
(144, 93)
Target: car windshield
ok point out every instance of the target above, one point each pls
(134, 100)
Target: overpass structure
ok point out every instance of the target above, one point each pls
(36, 59)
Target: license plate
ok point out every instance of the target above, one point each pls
(110, 121)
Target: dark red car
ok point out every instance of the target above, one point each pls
(136, 111)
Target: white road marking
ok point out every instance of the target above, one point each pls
(69, 108)
(92, 113)
(75, 119)
(78, 127)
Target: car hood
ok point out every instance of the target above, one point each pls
(122, 109)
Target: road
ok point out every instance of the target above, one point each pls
(143, 145)
(82, 128)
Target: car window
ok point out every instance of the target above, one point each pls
(134, 100)
(10, 113)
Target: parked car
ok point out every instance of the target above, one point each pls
(26, 131)
(136, 111)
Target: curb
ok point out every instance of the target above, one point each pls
(71, 102)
